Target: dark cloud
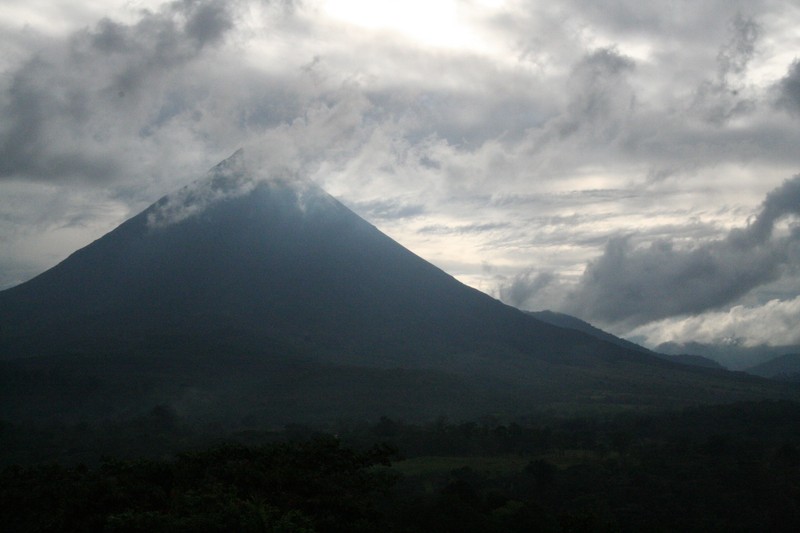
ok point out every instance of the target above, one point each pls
(597, 83)
(600, 99)
(634, 285)
(736, 54)
(603, 63)
(781, 202)
(727, 96)
(59, 109)
(643, 284)
(109, 37)
(160, 40)
(207, 22)
(32, 100)
(524, 287)
(24, 115)
(789, 89)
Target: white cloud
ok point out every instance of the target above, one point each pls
(773, 323)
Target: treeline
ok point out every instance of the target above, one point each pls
(289, 487)
(724, 468)
(746, 425)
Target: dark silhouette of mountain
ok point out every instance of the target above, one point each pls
(239, 297)
(784, 367)
(229, 261)
(571, 322)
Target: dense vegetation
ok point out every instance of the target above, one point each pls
(310, 486)
(726, 468)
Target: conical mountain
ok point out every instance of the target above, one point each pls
(270, 295)
(240, 264)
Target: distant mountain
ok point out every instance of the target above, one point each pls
(733, 356)
(247, 297)
(784, 367)
(571, 322)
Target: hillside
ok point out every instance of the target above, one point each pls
(571, 322)
(784, 367)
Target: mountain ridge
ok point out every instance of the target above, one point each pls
(784, 367)
(571, 322)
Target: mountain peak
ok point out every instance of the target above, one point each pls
(225, 180)
(225, 173)
(235, 176)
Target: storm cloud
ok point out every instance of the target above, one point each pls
(67, 108)
(789, 89)
(727, 96)
(639, 284)
(525, 287)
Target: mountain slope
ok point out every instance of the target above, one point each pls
(733, 356)
(784, 367)
(241, 294)
(279, 263)
(571, 322)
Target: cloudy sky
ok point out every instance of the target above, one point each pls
(632, 163)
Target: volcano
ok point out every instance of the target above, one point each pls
(244, 295)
